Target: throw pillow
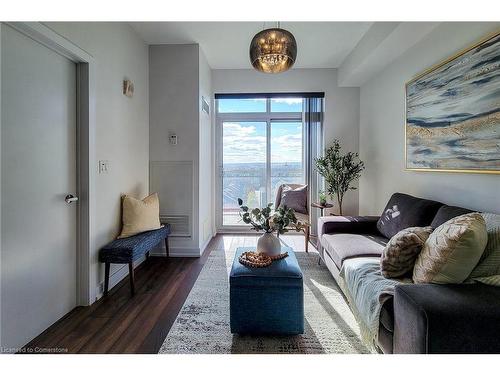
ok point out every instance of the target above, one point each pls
(404, 211)
(139, 215)
(487, 270)
(400, 253)
(452, 251)
(295, 198)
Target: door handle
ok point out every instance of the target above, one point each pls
(70, 198)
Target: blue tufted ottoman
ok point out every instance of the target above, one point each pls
(267, 300)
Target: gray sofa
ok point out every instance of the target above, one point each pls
(417, 318)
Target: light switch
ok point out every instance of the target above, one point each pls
(103, 166)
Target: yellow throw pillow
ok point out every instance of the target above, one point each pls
(452, 251)
(140, 216)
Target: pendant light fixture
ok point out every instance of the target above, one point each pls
(273, 50)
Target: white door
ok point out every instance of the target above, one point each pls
(38, 154)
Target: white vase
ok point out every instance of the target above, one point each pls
(269, 244)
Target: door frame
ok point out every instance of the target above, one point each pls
(85, 148)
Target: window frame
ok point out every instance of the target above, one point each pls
(268, 117)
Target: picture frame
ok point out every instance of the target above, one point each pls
(452, 123)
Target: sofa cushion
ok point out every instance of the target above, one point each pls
(404, 211)
(348, 224)
(400, 253)
(342, 246)
(446, 213)
(452, 251)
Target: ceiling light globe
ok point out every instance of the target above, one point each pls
(278, 52)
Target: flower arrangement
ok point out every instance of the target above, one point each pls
(262, 219)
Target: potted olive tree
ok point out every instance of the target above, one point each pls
(339, 171)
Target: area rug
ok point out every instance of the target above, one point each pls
(202, 325)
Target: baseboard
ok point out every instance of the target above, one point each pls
(205, 245)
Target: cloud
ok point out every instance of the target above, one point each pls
(288, 101)
(245, 144)
(287, 148)
(236, 130)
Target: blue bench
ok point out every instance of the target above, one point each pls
(130, 249)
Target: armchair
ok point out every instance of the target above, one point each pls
(303, 218)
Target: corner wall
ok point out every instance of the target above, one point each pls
(341, 118)
(382, 117)
(206, 193)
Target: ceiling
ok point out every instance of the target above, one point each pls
(225, 44)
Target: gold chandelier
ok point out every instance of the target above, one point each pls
(273, 50)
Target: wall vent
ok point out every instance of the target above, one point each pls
(179, 225)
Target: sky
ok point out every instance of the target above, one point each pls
(245, 142)
(259, 105)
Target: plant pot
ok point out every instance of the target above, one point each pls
(322, 202)
(269, 244)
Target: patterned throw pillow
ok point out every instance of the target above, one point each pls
(452, 251)
(488, 269)
(402, 250)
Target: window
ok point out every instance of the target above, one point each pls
(286, 105)
(241, 105)
(260, 146)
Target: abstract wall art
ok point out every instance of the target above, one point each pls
(453, 113)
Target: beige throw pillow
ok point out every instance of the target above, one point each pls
(400, 253)
(452, 251)
(139, 215)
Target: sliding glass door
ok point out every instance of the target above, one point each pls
(260, 146)
(287, 154)
(244, 169)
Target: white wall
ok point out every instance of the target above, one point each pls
(173, 106)
(382, 139)
(179, 77)
(122, 124)
(205, 154)
(341, 119)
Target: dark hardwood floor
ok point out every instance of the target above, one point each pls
(120, 323)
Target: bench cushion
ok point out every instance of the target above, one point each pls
(125, 250)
